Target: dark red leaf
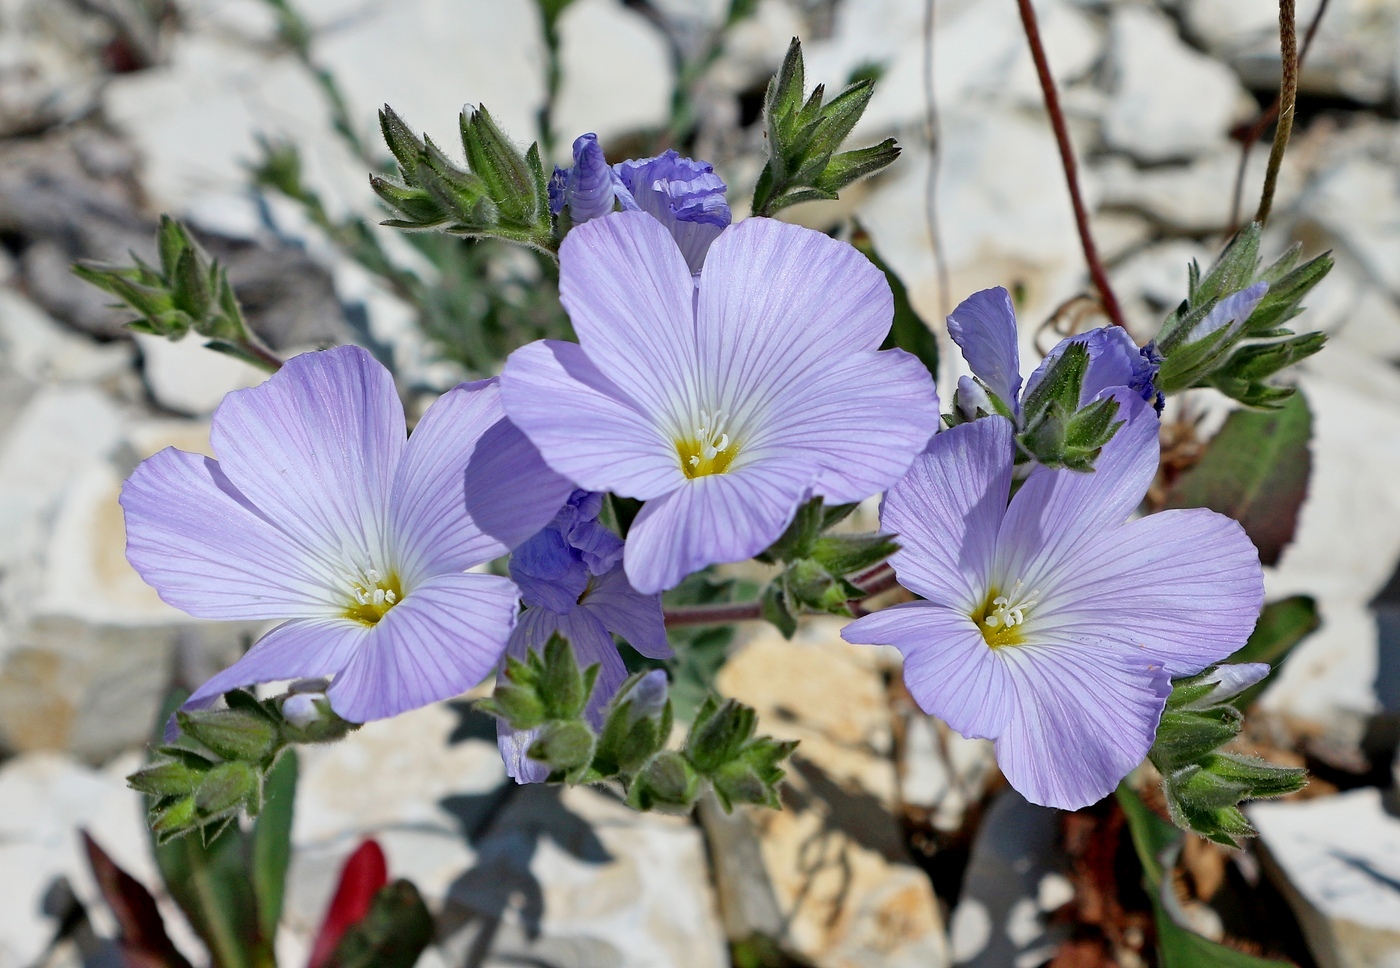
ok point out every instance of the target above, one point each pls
(364, 873)
(143, 941)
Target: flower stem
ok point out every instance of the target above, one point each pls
(1255, 131)
(1071, 167)
(871, 582)
(1287, 98)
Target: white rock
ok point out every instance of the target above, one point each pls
(36, 347)
(1000, 920)
(478, 849)
(1354, 54)
(616, 74)
(61, 432)
(1348, 538)
(1152, 281)
(186, 377)
(1339, 861)
(1156, 119)
(1355, 197)
(50, 62)
(44, 800)
(943, 772)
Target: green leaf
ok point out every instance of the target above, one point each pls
(272, 841)
(909, 332)
(1179, 947)
(392, 934)
(1281, 626)
(1255, 470)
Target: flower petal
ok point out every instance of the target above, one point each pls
(627, 612)
(299, 649)
(776, 302)
(861, 418)
(948, 666)
(686, 196)
(984, 327)
(1057, 513)
(592, 644)
(584, 426)
(470, 486)
(1184, 585)
(1114, 361)
(630, 297)
(947, 511)
(442, 639)
(711, 520)
(589, 187)
(315, 449)
(207, 551)
(1084, 718)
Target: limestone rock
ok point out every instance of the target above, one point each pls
(942, 772)
(186, 377)
(1337, 861)
(605, 49)
(1154, 120)
(833, 860)
(1354, 55)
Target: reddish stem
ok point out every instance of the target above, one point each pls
(1071, 167)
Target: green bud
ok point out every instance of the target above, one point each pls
(235, 734)
(1260, 778)
(637, 726)
(667, 781)
(719, 733)
(1186, 736)
(173, 818)
(227, 787)
(563, 689)
(564, 746)
(846, 554)
(168, 778)
(798, 538)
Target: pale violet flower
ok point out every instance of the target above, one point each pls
(685, 196)
(723, 406)
(984, 328)
(1054, 625)
(571, 580)
(321, 511)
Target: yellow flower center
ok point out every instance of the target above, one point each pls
(1001, 618)
(372, 595)
(710, 450)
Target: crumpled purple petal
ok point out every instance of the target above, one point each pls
(589, 188)
(1114, 361)
(984, 327)
(685, 196)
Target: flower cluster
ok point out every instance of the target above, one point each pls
(725, 376)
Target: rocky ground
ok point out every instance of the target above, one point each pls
(899, 844)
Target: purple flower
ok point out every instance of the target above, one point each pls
(1055, 625)
(321, 511)
(685, 196)
(984, 327)
(722, 407)
(571, 579)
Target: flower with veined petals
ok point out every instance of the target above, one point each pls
(685, 196)
(1054, 625)
(571, 580)
(723, 406)
(322, 511)
(984, 327)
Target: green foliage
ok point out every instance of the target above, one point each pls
(226, 762)
(1239, 356)
(908, 332)
(1057, 432)
(549, 693)
(499, 194)
(1256, 471)
(1281, 626)
(1203, 786)
(1157, 844)
(187, 292)
(699, 649)
(804, 135)
(393, 934)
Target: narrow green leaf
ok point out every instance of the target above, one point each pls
(272, 841)
(1256, 471)
(909, 332)
(1281, 626)
(1178, 946)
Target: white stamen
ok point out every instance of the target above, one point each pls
(1010, 610)
(390, 597)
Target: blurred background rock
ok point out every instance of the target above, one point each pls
(899, 845)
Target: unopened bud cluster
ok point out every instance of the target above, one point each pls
(215, 768)
(549, 694)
